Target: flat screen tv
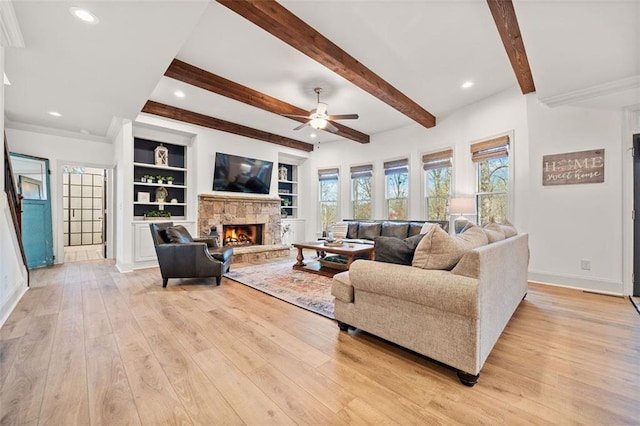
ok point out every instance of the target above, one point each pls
(241, 174)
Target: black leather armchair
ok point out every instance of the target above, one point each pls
(188, 257)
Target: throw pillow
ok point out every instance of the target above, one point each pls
(494, 232)
(508, 228)
(439, 250)
(339, 230)
(427, 226)
(395, 250)
(178, 234)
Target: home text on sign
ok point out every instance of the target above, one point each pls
(573, 167)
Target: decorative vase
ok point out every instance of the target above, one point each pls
(282, 173)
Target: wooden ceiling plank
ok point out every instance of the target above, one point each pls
(203, 79)
(504, 15)
(281, 23)
(171, 112)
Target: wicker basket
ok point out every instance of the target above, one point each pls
(333, 265)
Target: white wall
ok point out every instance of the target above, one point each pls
(60, 151)
(570, 223)
(566, 224)
(13, 273)
(504, 113)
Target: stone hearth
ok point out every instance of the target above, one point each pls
(218, 210)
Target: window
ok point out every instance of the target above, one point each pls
(361, 180)
(492, 179)
(328, 188)
(437, 170)
(396, 177)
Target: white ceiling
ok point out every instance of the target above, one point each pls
(583, 53)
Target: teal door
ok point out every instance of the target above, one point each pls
(32, 181)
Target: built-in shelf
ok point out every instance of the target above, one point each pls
(288, 189)
(144, 165)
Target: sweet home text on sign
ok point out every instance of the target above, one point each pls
(573, 167)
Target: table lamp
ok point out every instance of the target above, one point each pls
(460, 207)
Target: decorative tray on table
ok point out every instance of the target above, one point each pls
(336, 243)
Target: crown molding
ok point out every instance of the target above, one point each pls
(10, 34)
(593, 92)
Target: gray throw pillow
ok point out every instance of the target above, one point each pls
(179, 235)
(396, 250)
(368, 231)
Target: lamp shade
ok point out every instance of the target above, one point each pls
(463, 206)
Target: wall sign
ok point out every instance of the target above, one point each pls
(573, 167)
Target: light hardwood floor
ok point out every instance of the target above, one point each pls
(89, 346)
(82, 253)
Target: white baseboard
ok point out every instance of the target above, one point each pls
(580, 283)
(12, 302)
(130, 267)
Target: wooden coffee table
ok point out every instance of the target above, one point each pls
(347, 249)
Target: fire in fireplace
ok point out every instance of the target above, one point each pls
(241, 235)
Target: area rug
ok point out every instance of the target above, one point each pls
(278, 279)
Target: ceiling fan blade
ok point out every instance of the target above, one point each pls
(295, 116)
(321, 108)
(330, 127)
(302, 125)
(343, 117)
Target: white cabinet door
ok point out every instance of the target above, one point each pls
(292, 231)
(143, 249)
(143, 243)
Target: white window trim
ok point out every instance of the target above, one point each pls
(384, 184)
(373, 188)
(423, 183)
(319, 229)
(511, 216)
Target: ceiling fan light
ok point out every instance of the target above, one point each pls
(318, 123)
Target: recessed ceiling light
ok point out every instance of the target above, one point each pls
(6, 80)
(55, 113)
(179, 94)
(313, 135)
(467, 84)
(84, 15)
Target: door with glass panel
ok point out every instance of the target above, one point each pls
(32, 180)
(83, 198)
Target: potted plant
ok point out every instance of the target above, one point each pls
(169, 180)
(157, 214)
(160, 179)
(147, 179)
(283, 213)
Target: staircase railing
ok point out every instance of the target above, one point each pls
(15, 201)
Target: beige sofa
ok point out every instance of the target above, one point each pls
(454, 317)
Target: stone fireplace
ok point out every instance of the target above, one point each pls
(255, 218)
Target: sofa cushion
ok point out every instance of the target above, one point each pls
(341, 287)
(396, 250)
(368, 230)
(494, 232)
(414, 229)
(439, 250)
(352, 231)
(178, 234)
(398, 230)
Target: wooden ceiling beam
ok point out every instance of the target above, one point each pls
(168, 111)
(203, 79)
(281, 23)
(504, 15)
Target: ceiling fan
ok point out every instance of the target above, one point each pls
(318, 117)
